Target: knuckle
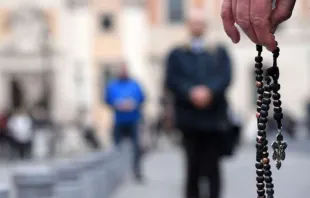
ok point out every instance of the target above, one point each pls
(243, 23)
(283, 16)
(225, 14)
(259, 22)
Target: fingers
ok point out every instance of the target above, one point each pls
(260, 19)
(229, 21)
(282, 12)
(243, 19)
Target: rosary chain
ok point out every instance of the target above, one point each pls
(262, 161)
(265, 92)
(279, 145)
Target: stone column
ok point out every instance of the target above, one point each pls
(134, 21)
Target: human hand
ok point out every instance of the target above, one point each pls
(201, 96)
(256, 18)
(126, 105)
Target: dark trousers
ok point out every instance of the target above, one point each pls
(22, 149)
(130, 130)
(91, 138)
(202, 151)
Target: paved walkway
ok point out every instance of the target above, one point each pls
(164, 175)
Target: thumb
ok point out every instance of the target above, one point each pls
(282, 12)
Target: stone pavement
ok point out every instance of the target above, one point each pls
(164, 175)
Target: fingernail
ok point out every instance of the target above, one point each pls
(234, 41)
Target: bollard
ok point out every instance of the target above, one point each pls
(102, 180)
(4, 191)
(34, 182)
(69, 182)
(119, 166)
(90, 168)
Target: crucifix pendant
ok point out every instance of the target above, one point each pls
(279, 147)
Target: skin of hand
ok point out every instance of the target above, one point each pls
(126, 105)
(201, 96)
(256, 18)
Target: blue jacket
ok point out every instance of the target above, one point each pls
(118, 90)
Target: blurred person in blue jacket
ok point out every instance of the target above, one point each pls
(198, 75)
(126, 97)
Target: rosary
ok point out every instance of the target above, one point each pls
(267, 90)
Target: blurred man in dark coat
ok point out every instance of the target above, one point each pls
(198, 75)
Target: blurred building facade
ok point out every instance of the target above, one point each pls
(70, 48)
(46, 49)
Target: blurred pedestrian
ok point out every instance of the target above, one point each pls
(198, 75)
(20, 128)
(86, 125)
(4, 138)
(125, 96)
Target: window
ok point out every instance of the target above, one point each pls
(175, 11)
(106, 22)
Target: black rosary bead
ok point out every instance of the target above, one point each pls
(265, 155)
(259, 77)
(260, 179)
(276, 96)
(264, 114)
(266, 101)
(261, 126)
(259, 165)
(259, 71)
(270, 191)
(265, 107)
(268, 79)
(260, 186)
(277, 110)
(267, 88)
(261, 133)
(258, 59)
(258, 109)
(263, 120)
(268, 179)
(277, 103)
(278, 116)
(275, 87)
(259, 145)
(259, 102)
(260, 90)
(269, 185)
(261, 192)
(268, 173)
(266, 166)
(258, 65)
(260, 172)
(266, 94)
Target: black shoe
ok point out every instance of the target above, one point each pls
(139, 178)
